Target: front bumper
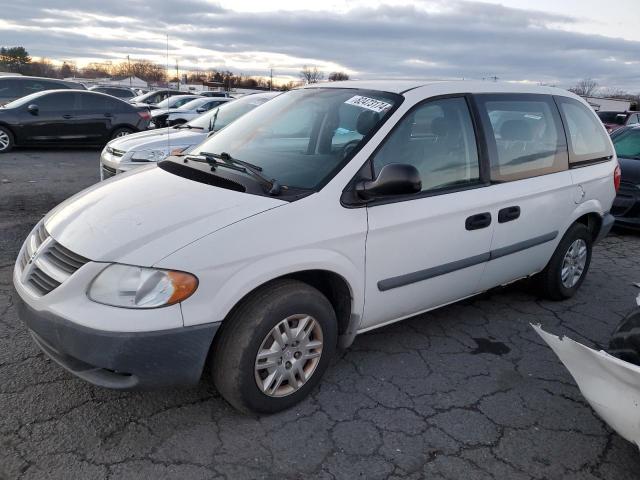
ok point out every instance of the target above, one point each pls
(120, 360)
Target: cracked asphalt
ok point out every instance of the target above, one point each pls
(465, 392)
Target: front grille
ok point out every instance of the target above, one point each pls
(108, 172)
(44, 264)
(115, 152)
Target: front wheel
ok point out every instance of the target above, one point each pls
(568, 266)
(274, 347)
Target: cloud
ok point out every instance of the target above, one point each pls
(459, 39)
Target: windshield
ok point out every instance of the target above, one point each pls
(612, 117)
(303, 137)
(195, 103)
(229, 111)
(27, 99)
(627, 143)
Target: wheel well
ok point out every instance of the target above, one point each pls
(593, 222)
(330, 284)
(10, 130)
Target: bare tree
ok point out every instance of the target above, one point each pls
(337, 76)
(585, 87)
(311, 75)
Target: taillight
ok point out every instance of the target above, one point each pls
(145, 114)
(617, 175)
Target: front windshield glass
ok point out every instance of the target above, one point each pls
(611, 117)
(229, 111)
(195, 103)
(302, 137)
(24, 100)
(627, 143)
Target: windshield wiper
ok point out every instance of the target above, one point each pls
(186, 125)
(225, 160)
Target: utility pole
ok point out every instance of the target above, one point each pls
(271, 79)
(177, 74)
(129, 62)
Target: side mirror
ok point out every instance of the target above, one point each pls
(33, 109)
(393, 179)
(201, 110)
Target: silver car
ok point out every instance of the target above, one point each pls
(139, 149)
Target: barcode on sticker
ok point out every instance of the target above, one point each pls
(368, 103)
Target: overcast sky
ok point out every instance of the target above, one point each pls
(550, 41)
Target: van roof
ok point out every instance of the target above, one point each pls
(442, 87)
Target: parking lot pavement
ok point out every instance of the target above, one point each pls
(465, 392)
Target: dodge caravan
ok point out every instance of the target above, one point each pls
(326, 212)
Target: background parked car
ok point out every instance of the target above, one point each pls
(208, 93)
(626, 206)
(614, 120)
(154, 97)
(119, 92)
(172, 102)
(68, 117)
(14, 87)
(161, 117)
(123, 154)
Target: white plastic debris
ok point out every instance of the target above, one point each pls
(610, 385)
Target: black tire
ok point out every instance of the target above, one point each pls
(549, 281)
(7, 140)
(243, 332)
(625, 341)
(121, 132)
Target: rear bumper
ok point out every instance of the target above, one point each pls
(121, 360)
(605, 227)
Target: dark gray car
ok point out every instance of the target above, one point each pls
(13, 87)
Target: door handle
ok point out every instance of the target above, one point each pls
(508, 214)
(67, 116)
(108, 115)
(478, 221)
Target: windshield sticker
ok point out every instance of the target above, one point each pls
(368, 103)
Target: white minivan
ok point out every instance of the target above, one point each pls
(325, 212)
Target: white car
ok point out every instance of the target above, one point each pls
(163, 117)
(324, 213)
(140, 149)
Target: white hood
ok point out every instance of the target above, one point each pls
(158, 139)
(143, 216)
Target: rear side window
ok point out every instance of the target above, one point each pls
(588, 141)
(524, 135)
(10, 88)
(101, 103)
(436, 137)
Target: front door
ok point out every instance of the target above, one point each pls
(431, 248)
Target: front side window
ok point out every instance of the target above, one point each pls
(587, 138)
(303, 137)
(58, 102)
(438, 139)
(524, 136)
(627, 143)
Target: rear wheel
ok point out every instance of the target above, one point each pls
(6, 140)
(568, 266)
(121, 132)
(625, 341)
(274, 347)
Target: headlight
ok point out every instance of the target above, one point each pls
(149, 155)
(139, 287)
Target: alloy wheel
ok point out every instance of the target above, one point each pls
(573, 263)
(4, 140)
(288, 355)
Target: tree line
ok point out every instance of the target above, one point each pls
(18, 60)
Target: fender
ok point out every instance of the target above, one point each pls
(227, 285)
